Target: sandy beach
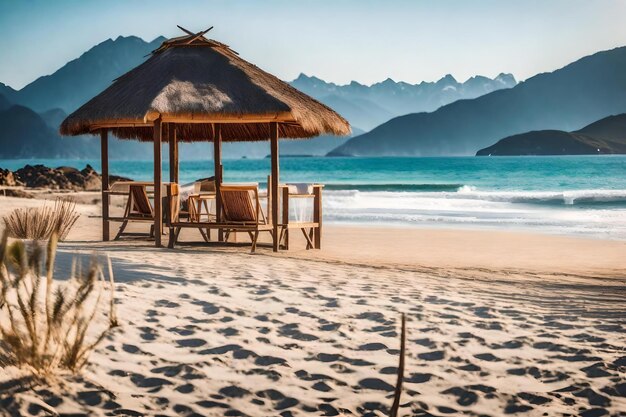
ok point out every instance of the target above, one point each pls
(498, 323)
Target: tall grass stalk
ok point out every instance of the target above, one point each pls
(45, 324)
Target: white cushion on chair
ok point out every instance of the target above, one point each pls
(300, 188)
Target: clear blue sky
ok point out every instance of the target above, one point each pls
(337, 40)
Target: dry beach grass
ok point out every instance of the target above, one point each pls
(217, 331)
(46, 325)
(42, 222)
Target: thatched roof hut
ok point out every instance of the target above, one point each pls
(194, 81)
(200, 90)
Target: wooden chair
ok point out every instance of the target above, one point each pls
(174, 215)
(312, 230)
(138, 209)
(242, 212)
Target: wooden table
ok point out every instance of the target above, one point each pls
(196, 202)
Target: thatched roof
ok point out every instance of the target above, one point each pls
(193, 82)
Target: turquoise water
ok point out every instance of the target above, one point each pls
(398, 174)
(571, 194)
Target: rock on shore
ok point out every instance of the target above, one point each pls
(61, 178)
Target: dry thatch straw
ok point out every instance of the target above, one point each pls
(45, 325)
(40, 223)
(193, 81)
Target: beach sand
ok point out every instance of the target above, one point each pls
(498, 323)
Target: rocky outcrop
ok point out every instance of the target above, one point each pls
(61, 178)
(8, 179)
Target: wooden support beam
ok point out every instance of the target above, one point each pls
(217, 161)
(317, 216)
(173, 143)
(104, 163)
(285, 219)
(158, 209)
(275, 181)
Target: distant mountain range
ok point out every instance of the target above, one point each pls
(368, 106)
(606, 136)
(566, 99)
(51, 97)
(82, 78)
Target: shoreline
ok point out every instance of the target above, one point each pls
(471, 227)
(463, 250)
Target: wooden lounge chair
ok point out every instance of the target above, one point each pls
(138, 209)
(242, 212)
(174, 216)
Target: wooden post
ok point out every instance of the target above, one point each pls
(173, 142)
(285, 219)
(158, 209)
(275, 181)
(217, 161)
(317, 216)
(104, 162)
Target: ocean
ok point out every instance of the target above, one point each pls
(573, 195)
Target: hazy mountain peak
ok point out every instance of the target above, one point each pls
(506, 78)
(82, 78)
(566, 99)
(447, 79)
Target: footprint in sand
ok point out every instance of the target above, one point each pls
(233, 391)
(268, 373)
(90, 398)
(281, 402)
(597, 370)
(489, 357)
(228, 331)
(374, 316)
(187, 330)
(389, 370)
(321, 386)
(305, 376)
(545, 376)
(376, 384)
(143, 382)
(166, 304)
(132, 349)
(418, 378)
(593, 397)
(291, 330)
(435, 355)
(470, 367)
(269, 360)
(533, 399)
(181, 370)
(372, 346)
(463, 397)
(185, 389)
(148, 333)
(328, 410)
(335, 357)
(207, 308)
(329, 327)
(220, 350)
(191, 343)
(385, 331)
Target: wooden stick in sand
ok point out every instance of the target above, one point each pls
(398, 390)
